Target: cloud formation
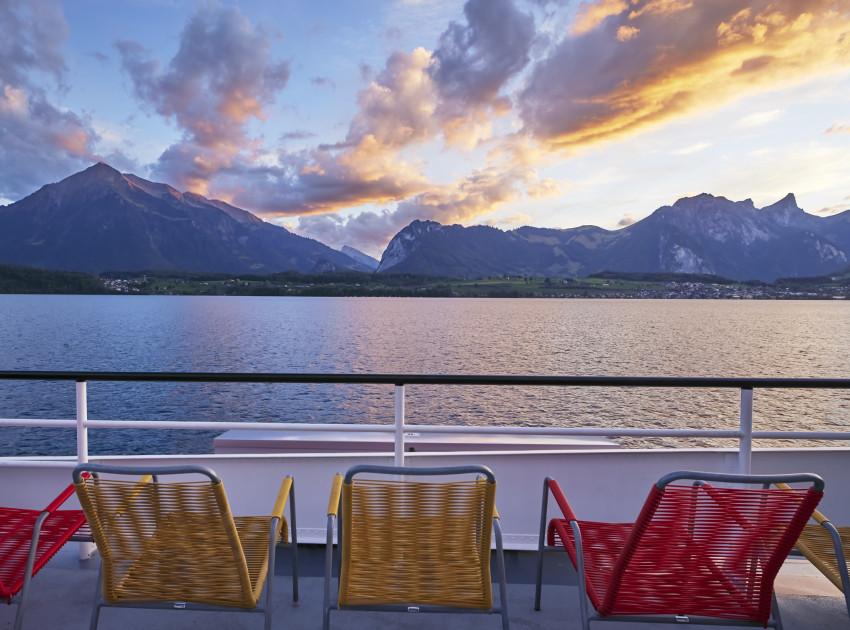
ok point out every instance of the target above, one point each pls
(629, 66)
(507, 90)
(38, 140)
(461, 201)
(419, 98)
(221, 77)
(623, 67)
(474, 61)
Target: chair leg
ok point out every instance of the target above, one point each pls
(95, 609)
(273, 535)
(542, 533)
(25, 589)
(503, 581)
(326, 606)
(294, 544)
(581, 577)
(777, 618)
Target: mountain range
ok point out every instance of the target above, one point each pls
(102, 220)
(696, 235)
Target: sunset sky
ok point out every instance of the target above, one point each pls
(345, 120)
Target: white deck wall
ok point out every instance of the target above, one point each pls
(600, 484)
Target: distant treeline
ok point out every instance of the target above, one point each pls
(344, 283)
(31, 280)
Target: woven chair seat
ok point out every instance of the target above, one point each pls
(695, 550)
(816, 544)
(404, 544)
(16, 528)
(202, 554)
(53, 527)
(415, 545)
(654, 585)
(178, 541)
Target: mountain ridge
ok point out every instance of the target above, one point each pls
(100, 220)
(703, 234)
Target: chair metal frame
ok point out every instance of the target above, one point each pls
(39, 548)
(840, 538)
(152, 474)
(335, 517)
(589, 614)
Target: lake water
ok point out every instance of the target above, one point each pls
(721, 338)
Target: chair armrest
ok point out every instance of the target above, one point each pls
(566, 510)
(336, 490)
(282, 496)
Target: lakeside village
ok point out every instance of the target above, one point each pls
(608, 284)
(604, 285)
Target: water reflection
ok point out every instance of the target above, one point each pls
(440, 336)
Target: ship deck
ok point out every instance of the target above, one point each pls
(61, 597)
(603, 483)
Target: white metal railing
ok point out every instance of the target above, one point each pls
(745, 434)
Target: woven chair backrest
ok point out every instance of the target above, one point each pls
(708, 550)
(417, 542)
(160, 541)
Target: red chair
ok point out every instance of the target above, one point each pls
(696, 553)
(28, 539)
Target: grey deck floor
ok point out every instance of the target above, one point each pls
(61, 597)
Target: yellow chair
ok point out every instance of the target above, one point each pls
(177, 545)
(826, 546)
(417, 546)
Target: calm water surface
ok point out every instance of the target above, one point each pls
(441, 336)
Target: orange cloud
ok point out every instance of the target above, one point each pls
(660, 7)
(591, 14)
(625, 33)
(836, 128)
(671, 71)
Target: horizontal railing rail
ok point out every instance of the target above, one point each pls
(432, 379)
(745, 434)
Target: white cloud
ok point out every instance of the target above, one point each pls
(694, 148)
(759, 118)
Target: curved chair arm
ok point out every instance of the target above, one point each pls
(550, 486)
(336, 490)
(287, 489)
(282, 496)
(559, 497)
(333, 511)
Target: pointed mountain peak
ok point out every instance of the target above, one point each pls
(788, 202)
(99, 175)
(100, 171)
(786, 212)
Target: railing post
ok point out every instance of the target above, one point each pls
(745, 445)
(85, 549)
(82, 418)
(399, 425)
